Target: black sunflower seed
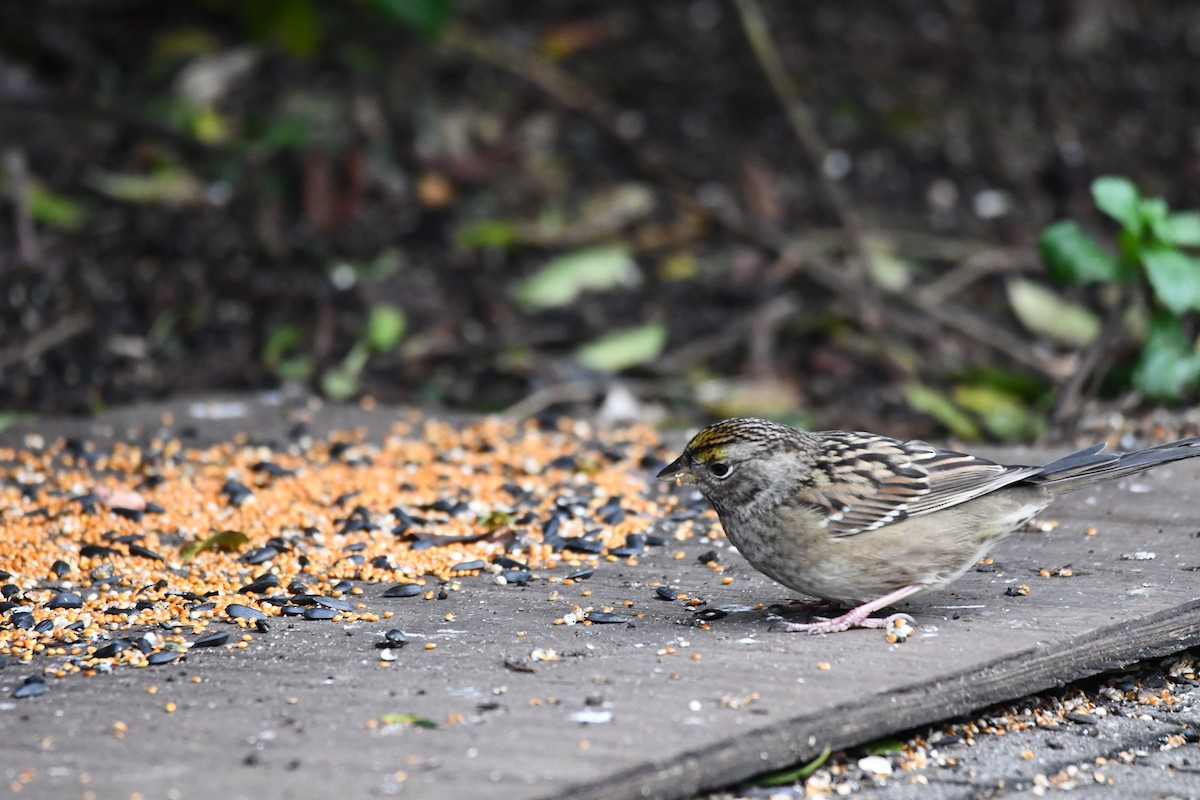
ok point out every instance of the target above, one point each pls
(520, 577)
(111, 648)
(33, 686)
(667, 593)
(65, 600)
(60, 568)
(336, 603)
(215, 639)
(581, 544)
(403, 590)
(467, 566)
(393, 639)
(319, 613)
(144, 552)
(607, 618)
(163, 657)
(260, 584)
(258, 555)
(709, 614)
(239, 611)
(236, 492)
(611, 512)
(582, 573)
(272, 469)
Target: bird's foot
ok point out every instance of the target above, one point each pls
(899, 625)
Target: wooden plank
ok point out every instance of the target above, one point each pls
(665, 724)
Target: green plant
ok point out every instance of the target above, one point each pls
(1152, 254)
(384, 329)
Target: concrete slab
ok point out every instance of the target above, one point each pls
(655, 708)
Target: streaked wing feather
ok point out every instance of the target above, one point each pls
(870, 481)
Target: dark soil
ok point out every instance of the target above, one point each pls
(962, 130)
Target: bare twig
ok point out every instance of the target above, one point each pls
(28, 250)
(542, 73)
(802, 122)
(866, 302)
(539, 400)
(973, 268)
(42, 342)
(1070, 400)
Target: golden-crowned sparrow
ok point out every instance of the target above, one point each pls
(867, 521)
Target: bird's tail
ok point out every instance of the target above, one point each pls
(1090, 466)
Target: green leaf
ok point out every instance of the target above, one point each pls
(490, 233)
(295, 24)
(385, 327)
(287, 133)
(408, 719)
(340, 383)
(1175, 278)
(1005, 415)
(1118, 198)
(787, 776)
(221, 540)
(428, 17)
(1018, 384)
(1044, 312)
(9, 418)
(922, 399)
(55, 210)
(1154, 212)
(885, 747)
(280, 340)
(1073, 257)
(1182, 230)
(624, 349)
(297, 368)
(565, 278)
(169, 186)
(1168, 365)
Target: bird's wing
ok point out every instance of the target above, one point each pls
(866, 481)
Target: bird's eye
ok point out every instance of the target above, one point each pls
(720, 469)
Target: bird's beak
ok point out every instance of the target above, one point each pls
(679, 471)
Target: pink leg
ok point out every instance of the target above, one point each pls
(858, 617)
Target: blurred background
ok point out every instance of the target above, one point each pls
(863, 215)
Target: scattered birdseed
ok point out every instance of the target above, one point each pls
(899, 628)
(138, 535)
